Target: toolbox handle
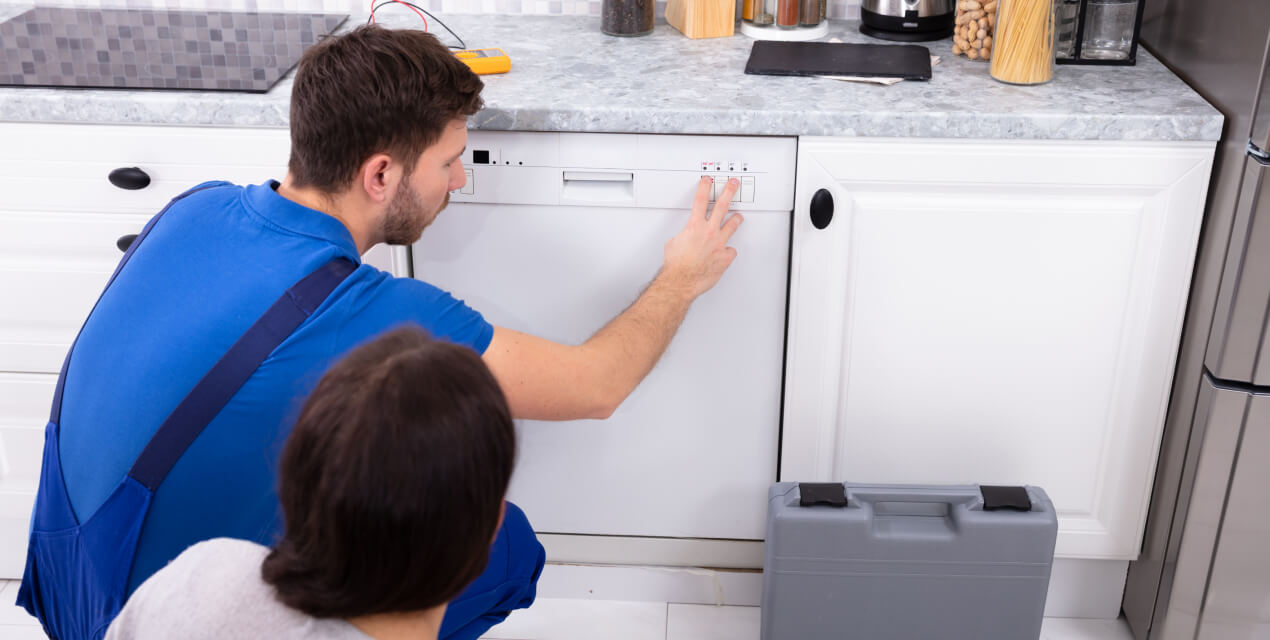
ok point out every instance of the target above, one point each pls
(967, 496)
(919, 513)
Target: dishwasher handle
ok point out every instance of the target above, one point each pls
(597, 186)
(599, 176)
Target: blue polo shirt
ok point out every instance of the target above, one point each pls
(209, 268)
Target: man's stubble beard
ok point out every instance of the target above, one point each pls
(406, 217)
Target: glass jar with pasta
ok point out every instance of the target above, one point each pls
(1023, 41)
(972, 30)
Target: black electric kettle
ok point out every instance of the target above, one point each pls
(907, 20)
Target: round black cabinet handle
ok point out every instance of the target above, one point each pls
(125, 241)
(130, 178)
(821, 209)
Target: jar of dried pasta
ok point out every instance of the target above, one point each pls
(973, 27)
(1023, 42)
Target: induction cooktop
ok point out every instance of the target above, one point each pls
(156, 49)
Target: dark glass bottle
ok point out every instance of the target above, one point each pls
(626, 17)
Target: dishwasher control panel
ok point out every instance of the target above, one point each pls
(744, 193)
(642, 170)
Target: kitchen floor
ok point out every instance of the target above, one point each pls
(559, 619)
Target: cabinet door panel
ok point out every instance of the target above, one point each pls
(52, 269)
(1013, 324)
(24, 410)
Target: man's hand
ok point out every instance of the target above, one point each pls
(696, 257)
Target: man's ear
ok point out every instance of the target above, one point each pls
(379, 177)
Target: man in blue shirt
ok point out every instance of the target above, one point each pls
(378, 124)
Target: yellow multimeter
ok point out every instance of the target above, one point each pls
(485, 61)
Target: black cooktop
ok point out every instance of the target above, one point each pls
(155, 49)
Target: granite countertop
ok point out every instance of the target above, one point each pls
(567, 76)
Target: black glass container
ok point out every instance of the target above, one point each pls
(1099, 31)
(626, 17)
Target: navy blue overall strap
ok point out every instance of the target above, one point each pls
(220, 384)
(55, 414)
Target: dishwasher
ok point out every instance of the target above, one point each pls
(554, 234)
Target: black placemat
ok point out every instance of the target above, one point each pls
(155, 49)
(907, 61)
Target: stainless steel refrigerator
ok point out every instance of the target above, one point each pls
(1204, 571)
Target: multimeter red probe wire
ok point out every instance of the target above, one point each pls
(375, 5)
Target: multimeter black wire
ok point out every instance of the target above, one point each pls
(371, 17)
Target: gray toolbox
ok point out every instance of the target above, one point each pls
(877, 562)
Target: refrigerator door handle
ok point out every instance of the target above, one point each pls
(1239, 341)
(1257, 153)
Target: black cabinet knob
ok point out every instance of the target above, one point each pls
(130, 178)
(125, 241)
(821, 208)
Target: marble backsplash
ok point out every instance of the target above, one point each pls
(836, 8)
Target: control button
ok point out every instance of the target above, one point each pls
(747, 189)
(468, 187)
(714, 188)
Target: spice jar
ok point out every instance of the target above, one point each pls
(972, 29)
(784, 19)
(787, 13)
(811, 12)
(626, 17)
(1023, 43)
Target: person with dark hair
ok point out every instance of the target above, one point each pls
(390, 498)
(231, 303)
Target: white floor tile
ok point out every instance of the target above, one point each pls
(651, 584)
(708, 622)
(570, 619)
(1085, 629)
(550, 619)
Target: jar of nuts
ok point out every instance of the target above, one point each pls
(972, 31)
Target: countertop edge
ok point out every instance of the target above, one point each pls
(273, 114)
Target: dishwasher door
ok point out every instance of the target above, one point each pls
(692, 451)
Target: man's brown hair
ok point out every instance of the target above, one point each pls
(392, 480)
(373, 90)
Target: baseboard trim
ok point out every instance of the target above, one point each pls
(722, 572)
(671, 552)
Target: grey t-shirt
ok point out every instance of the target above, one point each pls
(214, 590)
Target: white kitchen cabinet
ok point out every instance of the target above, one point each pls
(993, 312)
(62, 216)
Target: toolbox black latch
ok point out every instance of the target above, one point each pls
(833, 494)
(995, 498)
